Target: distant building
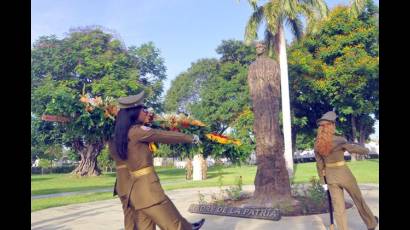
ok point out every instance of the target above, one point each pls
(373, 146)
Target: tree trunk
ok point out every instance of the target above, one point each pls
(284, 82)
(355, 156)
(88, 163)
(362, 139)
(204, 169)
(362, 131)
(272, 183)
(188, 169)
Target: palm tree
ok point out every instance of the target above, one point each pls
(275, 13)
(357, 7)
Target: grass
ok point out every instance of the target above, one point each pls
(39, 204)
(366, 171)
(58, 183)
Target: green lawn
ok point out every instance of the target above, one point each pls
(57, 183)
(365, 172)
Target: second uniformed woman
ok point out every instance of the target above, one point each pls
(329, 153)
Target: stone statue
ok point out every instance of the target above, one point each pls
(272, 179)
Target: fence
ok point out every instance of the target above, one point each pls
(346, 157)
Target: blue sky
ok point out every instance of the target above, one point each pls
(183, 30)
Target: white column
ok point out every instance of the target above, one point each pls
(197, 168)
(287, 131)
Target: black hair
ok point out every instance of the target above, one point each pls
(125, 119)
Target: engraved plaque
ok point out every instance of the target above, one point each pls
(248, 212)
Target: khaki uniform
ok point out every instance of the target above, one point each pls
(145, 194)
(121, 188)
(340, 177)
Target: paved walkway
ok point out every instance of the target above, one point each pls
(104, 215)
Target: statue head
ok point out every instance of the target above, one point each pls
(260, 48)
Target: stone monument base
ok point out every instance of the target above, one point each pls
(248, 212)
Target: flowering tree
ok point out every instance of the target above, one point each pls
(342, 57)
(75, 81)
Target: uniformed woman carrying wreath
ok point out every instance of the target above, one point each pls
(145, 195)
(329, 154)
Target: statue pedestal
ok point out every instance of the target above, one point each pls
(197, 165)
(248, 212)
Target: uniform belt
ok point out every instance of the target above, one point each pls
(121, 166)
(143, 171)
(335, 164)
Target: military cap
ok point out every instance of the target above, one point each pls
(329, 116)
(131, 101)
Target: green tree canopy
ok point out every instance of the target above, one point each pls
(93, 62)
(338, 68)
(185, 87)
(216, 92)
(152, 72)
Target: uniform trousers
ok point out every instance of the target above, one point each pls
(349, 184)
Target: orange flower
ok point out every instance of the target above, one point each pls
(106, 113)
(236, 142)
(112, 110)
(197, 123)
(173, 121)
(185, 123)
(84, 99)
(222, 139)
(218, 138)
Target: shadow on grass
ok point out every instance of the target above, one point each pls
(72, 189)
(177, 172)
(40, 179)
(109, 174)
(170, 171)
(216, 174)
(373, 160)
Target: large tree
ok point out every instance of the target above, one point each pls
(215, 92)
(185, 88)
(275, 13)
(44, 138)
(88, 61)
(224, 99)
(152, 72)
(338, 69)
